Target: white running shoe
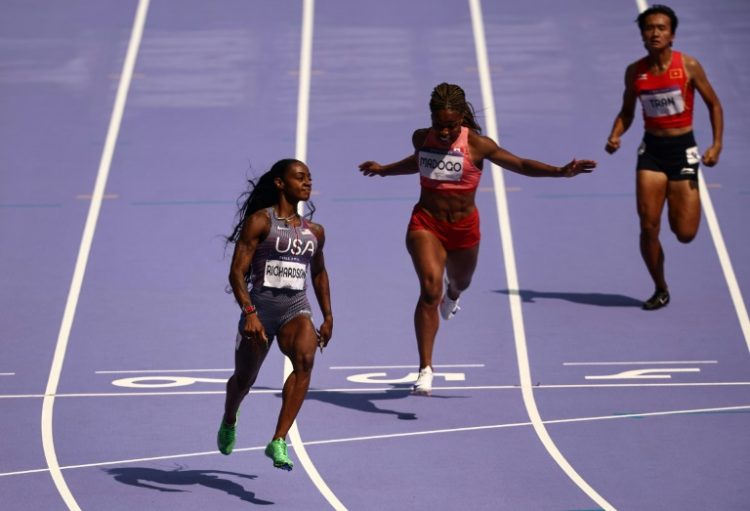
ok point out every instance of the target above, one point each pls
(423, 385)
(448, 307)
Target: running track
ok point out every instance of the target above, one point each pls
(128, 129)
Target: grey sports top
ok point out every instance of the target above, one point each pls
(282, 260)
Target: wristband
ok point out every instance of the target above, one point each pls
(248, 309)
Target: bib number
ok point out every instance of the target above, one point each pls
(285, 275)
(692, 155)
(662, 102)
(441, 166)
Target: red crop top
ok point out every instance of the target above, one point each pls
(447, 168)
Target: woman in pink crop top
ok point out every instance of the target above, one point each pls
(443, 233)
(668, 160)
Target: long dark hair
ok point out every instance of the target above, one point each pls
(261, 194)
(448, 96)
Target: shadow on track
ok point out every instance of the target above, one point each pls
(598, 299)
(365, 401)
(144, 477)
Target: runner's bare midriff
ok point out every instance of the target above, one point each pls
(670, 132)
(447, 206)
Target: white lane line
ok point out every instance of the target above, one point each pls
(303, 94)
(514, 296)
(7, 374)
(718, 239)
(412, 366)
(370, 390)
(724, 409)
(635, 374)
(83, 255)
(726, 263)
(303, 112)
(229, 369)
(643, 363)
(149, 371)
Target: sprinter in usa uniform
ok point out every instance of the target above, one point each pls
(275, 247)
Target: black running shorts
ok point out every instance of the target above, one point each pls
(677, 157)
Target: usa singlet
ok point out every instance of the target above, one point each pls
(282, 260)
(278, 275)
(667, 99)
(443, 168)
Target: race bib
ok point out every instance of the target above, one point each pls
(440, 165)
(285, 275)
(692, 155)
(662, 102)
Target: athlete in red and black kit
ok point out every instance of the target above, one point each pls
(443, 233)
(668, 159)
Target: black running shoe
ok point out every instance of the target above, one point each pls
(657, 301)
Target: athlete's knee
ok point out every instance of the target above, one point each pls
(684, 231)
(430, 299)
(685, 236)
(460, 284)
(304, 362)
(241, 381)
(431, 292)
(650, 230)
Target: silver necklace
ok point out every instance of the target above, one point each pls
(284, 219)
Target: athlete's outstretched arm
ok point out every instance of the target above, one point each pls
(488, 149)
(408, 165)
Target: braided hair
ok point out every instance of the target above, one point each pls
(262, 194)
(448, 96)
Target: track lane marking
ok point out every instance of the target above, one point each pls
(510, 270)
(650, 362)
(725, 409)
(303, 113)
(383, 389)
(84, 250)
(405, 366)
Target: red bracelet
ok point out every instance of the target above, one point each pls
(248, 309)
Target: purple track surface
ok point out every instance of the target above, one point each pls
(131, 422)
